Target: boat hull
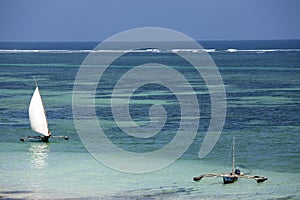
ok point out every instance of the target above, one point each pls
(229, 179)
(42, 138)
(35, 139)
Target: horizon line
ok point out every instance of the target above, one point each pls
(94, 41)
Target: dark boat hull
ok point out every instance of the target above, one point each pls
(41, 138)
(228, 179)
(35, 139)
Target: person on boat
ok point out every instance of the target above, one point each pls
(45, 138)
(237, 171)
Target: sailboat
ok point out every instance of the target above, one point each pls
(234, 174)
(38, 119)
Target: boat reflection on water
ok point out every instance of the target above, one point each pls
(39, 153)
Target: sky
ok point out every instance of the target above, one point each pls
(96, 20)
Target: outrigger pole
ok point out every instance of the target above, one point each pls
(258, 179)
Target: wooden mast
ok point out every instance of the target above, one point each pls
(233, 155)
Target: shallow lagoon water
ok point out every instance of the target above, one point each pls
(45, 174)
(263, 93)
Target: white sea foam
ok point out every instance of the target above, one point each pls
(192, 50)
(232, 50)
(261, 50)
(146, 50)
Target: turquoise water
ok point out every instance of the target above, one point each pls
(263, 91)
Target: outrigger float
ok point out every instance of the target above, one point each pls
(233, 175)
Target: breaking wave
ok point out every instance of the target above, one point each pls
(149, 50)
(261, 50)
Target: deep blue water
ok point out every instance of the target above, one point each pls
(262, 82)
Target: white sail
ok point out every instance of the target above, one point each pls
(37, 115)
